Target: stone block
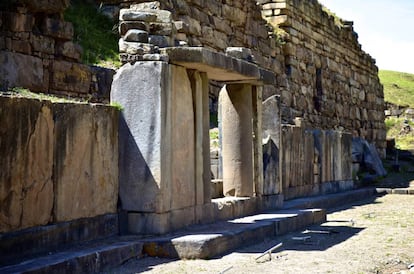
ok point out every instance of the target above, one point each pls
(14, 72)
(400, 191)
(27, 163)
(57, 28)
(21, 46)
(102, 78)
(70, 77)
(46, 6)
(135, 47)
(127, 25)
(135, 35)
(133, 15)
(42, 44)
(161, 28)
(160, 41)
(148, 223)
(70, 49)
(86, 161)
(18, 22)
(143, 158)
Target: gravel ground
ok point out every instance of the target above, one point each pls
(375, 236)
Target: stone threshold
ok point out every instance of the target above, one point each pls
(402, 191)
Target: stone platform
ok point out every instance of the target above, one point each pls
(202, 241)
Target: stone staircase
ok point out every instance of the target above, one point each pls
(199, 241)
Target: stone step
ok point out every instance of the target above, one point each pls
(87, 258)
(207, 241)
(200, 241)
(331, 201)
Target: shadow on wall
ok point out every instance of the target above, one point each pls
(136, 182)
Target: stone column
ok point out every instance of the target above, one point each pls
(237, 139)
(199, 86)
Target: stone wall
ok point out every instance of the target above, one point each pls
(315, 162)
(59, 162)
(323, 74)
(37, 52)
(331, 81)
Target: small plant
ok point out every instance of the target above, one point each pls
(117, 105)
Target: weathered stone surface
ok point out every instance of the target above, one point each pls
(42, 239)
(47, 6)
(142, 156)
(133, 15)
(70, 49)
(135, 35)
(182, 141)
(26, 187)
(14, 72)
(124, 26)
(240, 53)
(43, 44)
(57, 28)
(70, 77)
(217, 65)
(160, 41)
(60, 162)
(102, 80)
(367, 155)
(85, 166)
(237, 140)
(162, 169)
(135, 47)
(18, 22)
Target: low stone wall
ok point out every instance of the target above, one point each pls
(315, 162)
(59, 162)
(37, 53)
(330, 81)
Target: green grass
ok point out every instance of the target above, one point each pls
(398, 87)
(96, 33)
(25, 93)
(398, 90)
(394, 128)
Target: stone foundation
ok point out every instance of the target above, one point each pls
(59, 162)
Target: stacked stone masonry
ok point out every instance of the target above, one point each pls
(323, 74)
(37, 52)
(331, 83)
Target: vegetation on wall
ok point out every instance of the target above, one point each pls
(96, 33)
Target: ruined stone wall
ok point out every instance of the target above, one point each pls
(213, 24)
(37, 52)
(59, 162)
(323, 74)
(331, 82)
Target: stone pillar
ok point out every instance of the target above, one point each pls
(157, 146)
(257, 140)
(199, 86)
(237, 139)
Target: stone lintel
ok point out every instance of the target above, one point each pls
(218, 66)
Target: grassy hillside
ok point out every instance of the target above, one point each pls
(96, 33)
(398, 87)
(399, 90)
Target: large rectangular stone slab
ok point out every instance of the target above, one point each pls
(14, 71)
(26, 148)
(219, 66)
(144, 136)
(85, 164)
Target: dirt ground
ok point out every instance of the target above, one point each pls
(375, 236)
